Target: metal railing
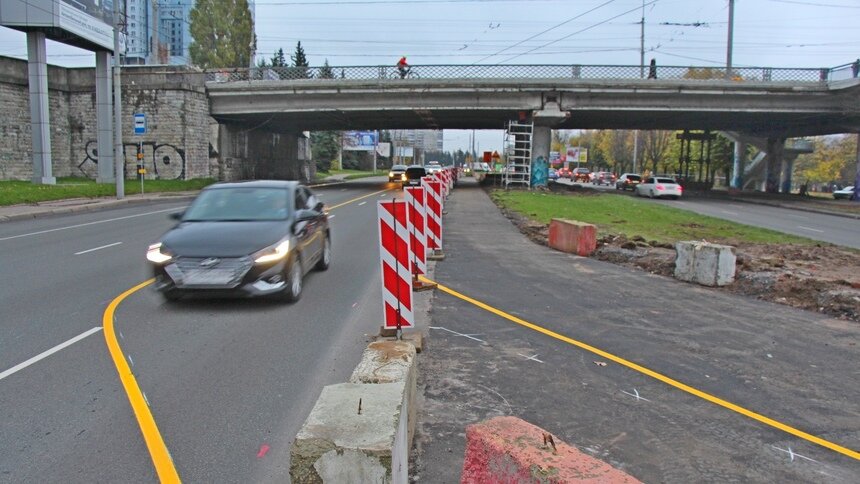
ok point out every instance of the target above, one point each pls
(535, 72)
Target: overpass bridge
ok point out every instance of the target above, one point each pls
(762, 106)
(762, 102)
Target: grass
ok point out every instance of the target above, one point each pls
(350, 174)
(617, 214)
(15, 192)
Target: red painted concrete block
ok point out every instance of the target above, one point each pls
(571, 236)
(508, 450)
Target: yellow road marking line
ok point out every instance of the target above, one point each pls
(653, 374)
(154, 443)
(157, 449)
(357, 199)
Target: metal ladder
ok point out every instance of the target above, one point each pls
(518, 165)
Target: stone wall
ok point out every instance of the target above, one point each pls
(182, 140)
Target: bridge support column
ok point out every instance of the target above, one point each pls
(104, 117)
(541, 142)
(787, 168)
(775, 147)
(857, 176)
(40, 121)
(739, 165)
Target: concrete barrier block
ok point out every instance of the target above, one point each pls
(337, 443)
(705, 263)
(389, 362)
(508, 449)
(572, 236)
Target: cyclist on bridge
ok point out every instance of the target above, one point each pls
(403, 67)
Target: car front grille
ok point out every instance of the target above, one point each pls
(209, 272)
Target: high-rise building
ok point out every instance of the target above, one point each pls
(138, 42)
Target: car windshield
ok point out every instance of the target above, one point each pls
(238, 204)
(415, 172)
(582, 170)
(399, 167)
(665, 180)
(633, 177)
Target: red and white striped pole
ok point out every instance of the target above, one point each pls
(394, 254)
(433, 189)
(415, 198)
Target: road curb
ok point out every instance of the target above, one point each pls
(799, 209)
(95, 206)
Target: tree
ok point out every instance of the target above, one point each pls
(655, 148)
(326, 71)
(300, 63)
(324, 148)
(833, 160)
(222, 34)
(279, 60)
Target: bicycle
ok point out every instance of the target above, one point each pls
(409, 74)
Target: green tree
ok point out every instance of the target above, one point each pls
(833, 160)
(324, 148)
(300, 63)
(222, 34)
(279, 59)
(326, 71)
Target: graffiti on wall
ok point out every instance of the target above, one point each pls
(162, 161)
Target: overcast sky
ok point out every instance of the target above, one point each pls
(777, 33)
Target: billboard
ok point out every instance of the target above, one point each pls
(359, 140)
(89, 21)
(575, 154)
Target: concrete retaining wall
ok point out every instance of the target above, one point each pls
(705, 263)
(572, 236)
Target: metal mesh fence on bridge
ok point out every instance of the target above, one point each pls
(534, 72)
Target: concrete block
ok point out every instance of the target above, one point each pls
(705, 263)
(508, 449)
(338, 444)
(390, 362)
(572, 236)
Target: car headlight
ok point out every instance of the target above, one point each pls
(403, 177)
(157, 253)
(390, 174)
(273, 253)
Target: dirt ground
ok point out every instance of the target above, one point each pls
(822, 278)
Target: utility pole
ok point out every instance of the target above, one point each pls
(641, 75)
(119, 158)
(731, 36)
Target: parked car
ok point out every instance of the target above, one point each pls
(253, 238)
(659, 187)
(395, 174)
(414, 173)
(844, 194)
(628, 181)
(582, 174)
(552, 174)
(603, 178)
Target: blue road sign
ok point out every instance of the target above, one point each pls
(139, 123)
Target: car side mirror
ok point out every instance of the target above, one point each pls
(319, 207)
(176, 215)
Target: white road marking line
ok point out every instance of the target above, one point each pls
(810, 229)
(792, 454)
(97, 248)
(330, 217)
(362, 203)
(635, 395)
(87, 224)
(458, 334)
(45, 354)
(727, 212)
(533, 357)
(130, 360)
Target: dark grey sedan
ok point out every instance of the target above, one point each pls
(251, 238)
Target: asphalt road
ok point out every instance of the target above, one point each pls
(826, 228)
(229, 383)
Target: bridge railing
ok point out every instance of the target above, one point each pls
(535, 72)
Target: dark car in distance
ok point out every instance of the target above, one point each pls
(253, 238)
(628, 181)
(414, 173)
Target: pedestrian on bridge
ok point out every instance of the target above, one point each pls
(652, 69)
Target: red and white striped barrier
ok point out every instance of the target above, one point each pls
(394, 254)
(415, 199)
(433, 189)
(440, 177)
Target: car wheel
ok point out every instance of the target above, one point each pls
(651, 194)
(293, 290)
(325, 258)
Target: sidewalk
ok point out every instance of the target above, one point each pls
(72, 205)
(478, 365)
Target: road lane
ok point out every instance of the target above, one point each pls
(66, 417)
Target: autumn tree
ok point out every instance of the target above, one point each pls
(222, 34)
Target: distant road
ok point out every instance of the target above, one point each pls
(826, 228)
